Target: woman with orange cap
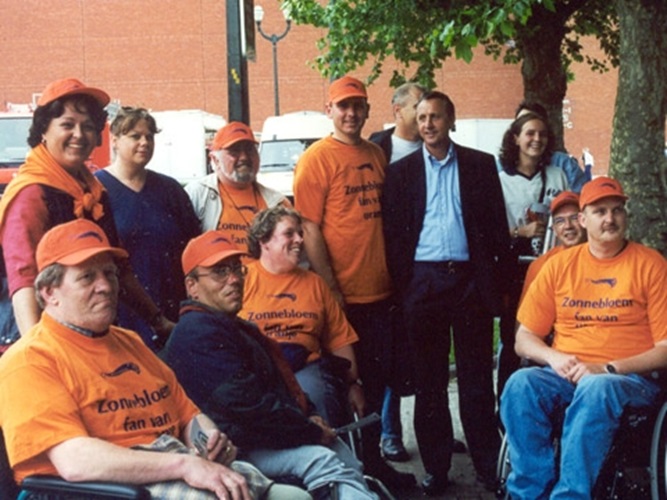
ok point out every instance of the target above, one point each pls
(54, 186)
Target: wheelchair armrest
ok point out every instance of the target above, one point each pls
(54, 484)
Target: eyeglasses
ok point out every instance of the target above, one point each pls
(559, 221)
(222, 273)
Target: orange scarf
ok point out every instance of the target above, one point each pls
(41, 168)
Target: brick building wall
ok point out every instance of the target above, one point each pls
(171, 54)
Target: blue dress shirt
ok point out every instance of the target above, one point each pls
(443, 235)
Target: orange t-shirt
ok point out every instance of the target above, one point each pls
(296, 307)
(240, 207)
(338, 187)
(600, 309)
(535, 267)
(57, 384)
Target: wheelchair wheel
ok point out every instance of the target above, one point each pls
(626, 471)
(659, 456)
(503, 469)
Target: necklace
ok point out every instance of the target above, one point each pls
(236, 207)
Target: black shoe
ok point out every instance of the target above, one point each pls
(435, 485)
(459, 447)
(393, 449)
(390, 477)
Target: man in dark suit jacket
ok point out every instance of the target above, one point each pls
(447, 242)
(403, 138)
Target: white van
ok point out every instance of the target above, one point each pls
(181, 145)
(283, 140)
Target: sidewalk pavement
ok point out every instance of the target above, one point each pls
(462, 473)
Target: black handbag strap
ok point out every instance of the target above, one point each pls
(543, 175)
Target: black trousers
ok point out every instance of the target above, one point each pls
(508, 361)
(372, 322)
(442, 304)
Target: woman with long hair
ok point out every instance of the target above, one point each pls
(529, 184)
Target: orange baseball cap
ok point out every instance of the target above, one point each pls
(564, 198)
(346, 87)
(230, 134)
(71, 86)
(208, 249)
(72, 243)
(598, 188)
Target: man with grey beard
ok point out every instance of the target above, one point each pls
(229, 197)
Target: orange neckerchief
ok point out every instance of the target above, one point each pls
(41, 168)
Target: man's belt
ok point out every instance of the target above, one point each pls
(451, 266)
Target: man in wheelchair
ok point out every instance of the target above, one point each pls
(240, 378)
(606, 301)
(87, 401)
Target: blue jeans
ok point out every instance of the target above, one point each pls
(534, 398)
(391, 415)
(325, 390)
(316, 466)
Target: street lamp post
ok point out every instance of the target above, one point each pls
(274, 39)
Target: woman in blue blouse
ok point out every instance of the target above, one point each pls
(153, 214)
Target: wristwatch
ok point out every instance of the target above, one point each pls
(357, 382)
(609, 368)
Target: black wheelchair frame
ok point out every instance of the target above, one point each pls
(628, 471)
(51, 487)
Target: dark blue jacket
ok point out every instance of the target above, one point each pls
(234, 380)
(383, 139)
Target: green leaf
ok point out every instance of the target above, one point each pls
(463, 51)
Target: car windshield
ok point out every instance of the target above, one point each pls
(282, 155)
(13, 140)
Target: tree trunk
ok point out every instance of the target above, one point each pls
(638, 138)
(544, 76)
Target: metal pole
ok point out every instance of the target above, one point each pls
(274, 39)
(276, 94)
(237, 67)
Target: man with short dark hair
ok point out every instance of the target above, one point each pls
(240, 378)
(337, 187)
(606, 302)
(447, 243)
